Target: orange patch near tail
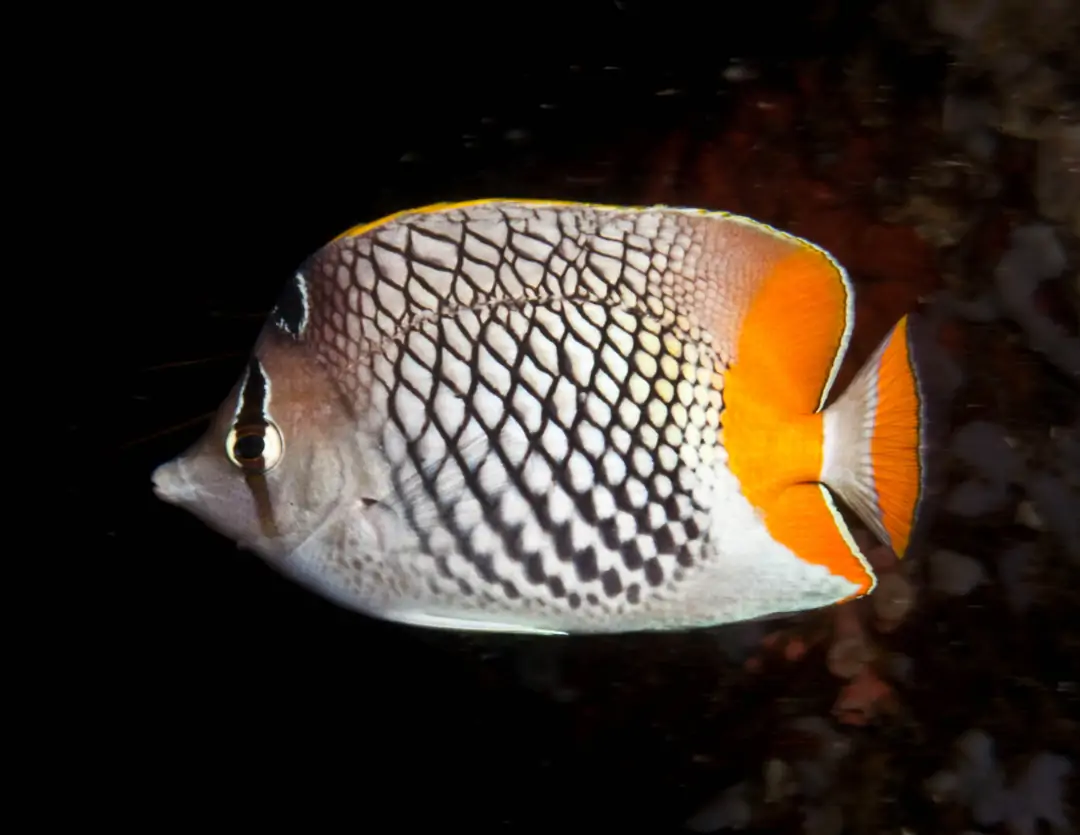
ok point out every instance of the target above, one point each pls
(804, 519)
(777, 459)
(791, 341)
(794, 335)
(895, 442)
(768, 450)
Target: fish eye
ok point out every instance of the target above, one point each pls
(256, 448)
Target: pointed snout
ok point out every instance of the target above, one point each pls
(171, 483)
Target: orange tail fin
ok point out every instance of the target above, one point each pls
(875, 442)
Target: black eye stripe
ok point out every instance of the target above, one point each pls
(254, 397)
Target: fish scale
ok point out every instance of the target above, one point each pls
(550, 417)
(619, 539)
(399, 278)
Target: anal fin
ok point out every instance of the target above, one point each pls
(804, 518)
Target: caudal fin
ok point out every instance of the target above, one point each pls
(875, 441)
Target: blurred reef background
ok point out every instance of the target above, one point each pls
(933, 146)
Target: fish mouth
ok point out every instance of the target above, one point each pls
(171, 482)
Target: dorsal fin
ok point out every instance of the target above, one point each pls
(796, 329)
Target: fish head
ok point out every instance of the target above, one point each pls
(283, 460)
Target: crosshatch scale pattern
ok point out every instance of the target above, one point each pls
(548, 399)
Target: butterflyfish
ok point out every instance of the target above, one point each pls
(552, 417)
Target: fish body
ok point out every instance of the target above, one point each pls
(528, 416)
